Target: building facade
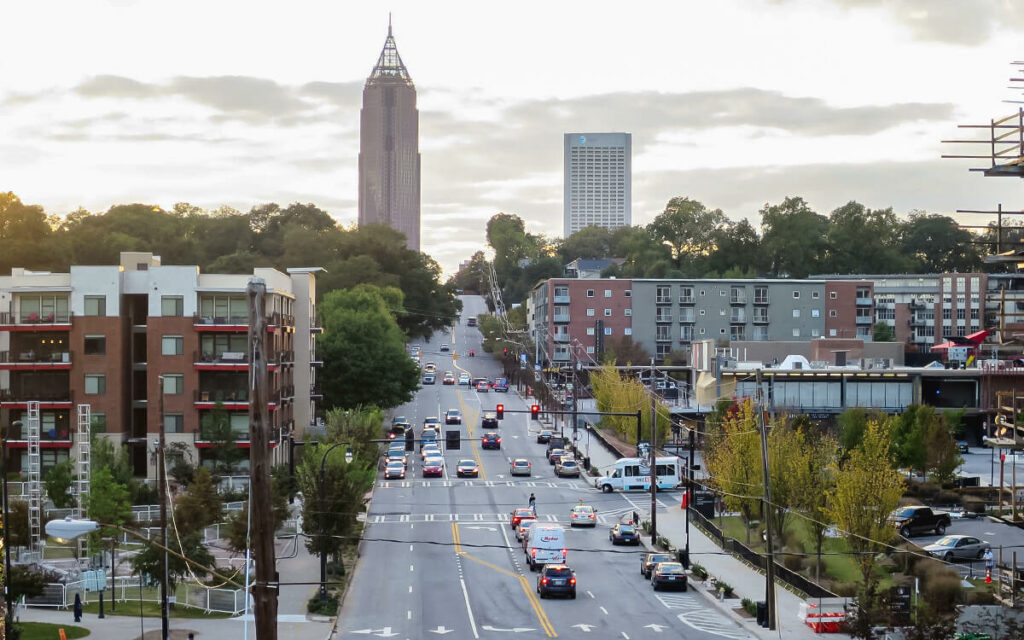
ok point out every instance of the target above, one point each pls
(598, 178)
(389, 155)
(148, 347)
(572, 319)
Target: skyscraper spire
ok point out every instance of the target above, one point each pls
(389, 64)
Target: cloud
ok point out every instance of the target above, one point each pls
(961, 22)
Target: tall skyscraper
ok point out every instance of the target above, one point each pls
(389, 152)
(598, 180)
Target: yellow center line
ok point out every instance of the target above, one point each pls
(470, 421)
(538, 609)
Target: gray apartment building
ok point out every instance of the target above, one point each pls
(598, 177)
(389, 154)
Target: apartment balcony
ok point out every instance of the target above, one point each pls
(738, 298)
(864, 320)
(663, 300)
(315, 326)
(33, 322)
(220, 323)
(663, 317)
(561, 317)
(51, 436)
(48, 396)
(561, 337)
(278, 319)
(686, 319)
(914, 304)
(738, 318)
(686, 300)
(562, 299)
(32, 360)
(221, 361)
(760, 319)
(661, 337)
(864, 302)
(918, 322)
(762, 299)
(201, 438)
(231, 399)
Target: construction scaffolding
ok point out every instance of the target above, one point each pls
(83, 443)
(33, 476)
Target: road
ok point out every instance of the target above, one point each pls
(439, 558)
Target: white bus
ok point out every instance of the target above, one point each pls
(635, 474)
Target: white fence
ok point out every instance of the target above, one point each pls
(230, 601)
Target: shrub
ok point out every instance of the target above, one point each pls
(328, 607)
(792, 562)
(698, 571)
(645, 525)
(844, 589)
(749, 606)
(724, 587)
(941, 589)
(664, 543)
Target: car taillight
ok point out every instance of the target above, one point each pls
(533, 553)
(572, 580)
(499, 439)
(543, 580)
(565, 552)
(592, 516)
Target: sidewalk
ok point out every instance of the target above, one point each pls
(746, 582)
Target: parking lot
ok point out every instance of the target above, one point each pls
(996, 534)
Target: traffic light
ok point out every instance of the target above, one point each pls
(535, 412)
(410, 440)
(453, 440)
(504, 352)
(500, 411)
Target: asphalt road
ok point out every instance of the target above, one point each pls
(439, 558)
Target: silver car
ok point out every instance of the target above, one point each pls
(519, 467)
(958, 548)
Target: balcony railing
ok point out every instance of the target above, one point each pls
(31, 356)
(686, 299)
(686, 318)
(561, 299)
(222, 357)
(664, 299)
(863, 319)
(738, 297)
(663, 337)
(864, 302)
(9, 318)
(222, 395)
(561, 337)
(760, 319)
(47, 432)
(36, 394)
(221, 320)
(760, 298)
(561, 317)
(663, 317)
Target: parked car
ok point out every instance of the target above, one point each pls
(490, 440)
(556, 579)
(543, 436)
(962, 446)
(668, 575)
(554, 455)
(624, 534)
(453, 416)
(917, 519)
(520, 467)
(648, 561)
(958, 548)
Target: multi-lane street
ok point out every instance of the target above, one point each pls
(439, 557)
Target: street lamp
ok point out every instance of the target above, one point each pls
(323, 511)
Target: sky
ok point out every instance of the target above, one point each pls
(735, 103)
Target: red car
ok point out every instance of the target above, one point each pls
(519, 514)
(433, 467)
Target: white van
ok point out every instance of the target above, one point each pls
(635, 474)
(545, 543)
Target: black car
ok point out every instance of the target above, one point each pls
(543, 436)
(624, 534)
(556, 579)
(648, 561)
(668, 575)
(490, 440)
(490, 421)
(962, 446)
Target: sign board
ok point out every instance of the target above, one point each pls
(959, 354)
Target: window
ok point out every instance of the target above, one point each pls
(590, 313)
(737, 332)
(814, 294)
(686, 294)
(590, 331)
(796, 313)
(561, 292)
(607, 293)
(686, 333)
(95, 384)
(947, 314)
(796, 332)
(796, 294)
(628, 293)
(961, 314)
(703, 311)
(172, 306)
(172, 345)
(760, 295)
(815, 313)
(590, 293)
(662, 333)
(628, 331)
(702, 331)
(607, 331)
(607, 313)
(99, 423)
(974, 314)
(590, 349)
(223, 309)
(815, 333)
(43, 309)
(832, 333)
(721, 331)
(702, 293)
(664, 294)
(627, 312)
(832, 313)
(174, 383)
(722, 293)
(95, 345)
(760, 314)
(833, 295)
(686, 314)
(174, 423)
(95, 305)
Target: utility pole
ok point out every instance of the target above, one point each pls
(769, 574)
(575, 385)
(265, 586)
(692, 440)
(654, 457)
(161, 476)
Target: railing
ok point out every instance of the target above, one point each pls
(760, 319)
(40, 395)
(32, 357)
(231, 601)
(863, 302)
(220, 320)
(738, 317)
(738, 297)
(664, 299)
(561, 299)
(561, 317)
(284, 357)
(760, 298)
(663, 317)
(686, 299)
(8, 318)
(863, 319)
(561, 337)
(222, 395)
(222, 357)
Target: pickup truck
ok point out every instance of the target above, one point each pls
(917, 519)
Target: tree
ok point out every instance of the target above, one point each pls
(30, 580)
(225, 453)
(881, 332)
(109, 503)
(616, 394)
(364, 350)
(862, 240)
(17, 530)
(867, 489)
(821, 453)
(357, 427)
(924, 442)
(189, 544)
(689, 229)
(58, 484)
(238, 521)
(789, 469)
(793, 238)
(938, 245)
(737, 246)
(199, 506)
(623, 351)
(732, 456)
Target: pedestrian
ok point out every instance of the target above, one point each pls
(78, 607)
(990, 560)
(581, 501)
(533, 503)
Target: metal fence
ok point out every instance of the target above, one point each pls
(210, 600)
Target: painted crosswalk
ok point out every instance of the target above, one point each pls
(698, 614)
(476, 518)
(551, 484)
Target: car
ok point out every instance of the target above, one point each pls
(543, 436)
(449, 378)
(482, 386)
(399, 420)
(914, 519)
(397, 430)
(668, 575)
(524, 526)
(453, 416)
(556, 579)
(520, 467)
(467, 469)
(430, 367)
(583, 515)
(624, 534)
(566, 467)
(433, 466)
(464, 378)
(429, 378)
(518, 514)
(397, 457)
(432, 422)
(428, 448)
(555, 454)
(489, 421)
(963, 446)
(958, 548)
(470, 322)
(395, 470)
(648, 560)
(445, 348)
(490, 440)
(500, 385)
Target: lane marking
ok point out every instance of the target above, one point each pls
(410, 547)
(408, 614)
(410, 588)
(469, 610)
(471, 431)
(588, 593)
(412, 568)
(604, 610)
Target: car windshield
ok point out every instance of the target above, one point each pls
(947, 541)
(559, 572)
(521, 463)
(659, 557)
(453, 412)
(667, 567)
(395, 465)
(568, 463)
(625, 528)
(905, 512)
(524, 511)
(584, 510)
(466, 463)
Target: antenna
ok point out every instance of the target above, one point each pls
(389, 23)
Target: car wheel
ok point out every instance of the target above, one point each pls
(905, 532)
(948, 556)
(573, 595)
(541, 594)
(940, 529)
(654, 585)
(606, 488)
(684, 587)
(647, 575)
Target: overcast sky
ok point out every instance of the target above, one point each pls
(732, 102)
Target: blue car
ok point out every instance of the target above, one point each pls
(556, 579)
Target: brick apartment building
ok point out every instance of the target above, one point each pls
(122, 338)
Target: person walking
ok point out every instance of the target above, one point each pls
(78, 607)
(533, 503)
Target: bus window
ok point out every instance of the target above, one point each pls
(617, 474)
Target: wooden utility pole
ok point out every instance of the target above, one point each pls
(265, 587)
(161, 478)
(654, 457)
(769, 574)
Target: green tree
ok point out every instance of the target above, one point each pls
(732, 456)
(789, 469)
(356, 427)
(109, 503)
(225, 454)
(848, 252)
(938, 245)
(58, 484)
(616, 394)
(867, 489)
(588, 242)
(689, 229)
(737, 246)
(238, 521)
(473, 277)
(199, 506)
(881, 332)
(793, 238)
(189, 544)
(817, 460)
(362, 343)
(18, 533)
(623, 351)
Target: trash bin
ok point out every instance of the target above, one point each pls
(762, 613)
(683, 558)
(586, 463)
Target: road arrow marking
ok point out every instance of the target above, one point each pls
(484, 528)
(488, 627)
(361, 631)
(386, 633)
(440, 629)
(585, 627)
(657, 627)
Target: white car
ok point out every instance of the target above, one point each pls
(464, 378)
(519, 467)
(583, 515)
(430, 448)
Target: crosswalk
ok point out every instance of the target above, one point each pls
(696, 614)
(406, 484)
(472, 518)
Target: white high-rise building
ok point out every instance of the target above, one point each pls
(598, 181)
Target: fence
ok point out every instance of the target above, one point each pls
(758, 560)
(230, 601)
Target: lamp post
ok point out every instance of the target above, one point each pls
(323, 533)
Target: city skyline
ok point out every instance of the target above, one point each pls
(760, 100)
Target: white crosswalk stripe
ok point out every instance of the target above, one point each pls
(698, 615)
(482, 518)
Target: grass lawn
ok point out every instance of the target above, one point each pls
(47, 631)
(149, 610)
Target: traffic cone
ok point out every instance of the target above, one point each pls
(988, 576)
